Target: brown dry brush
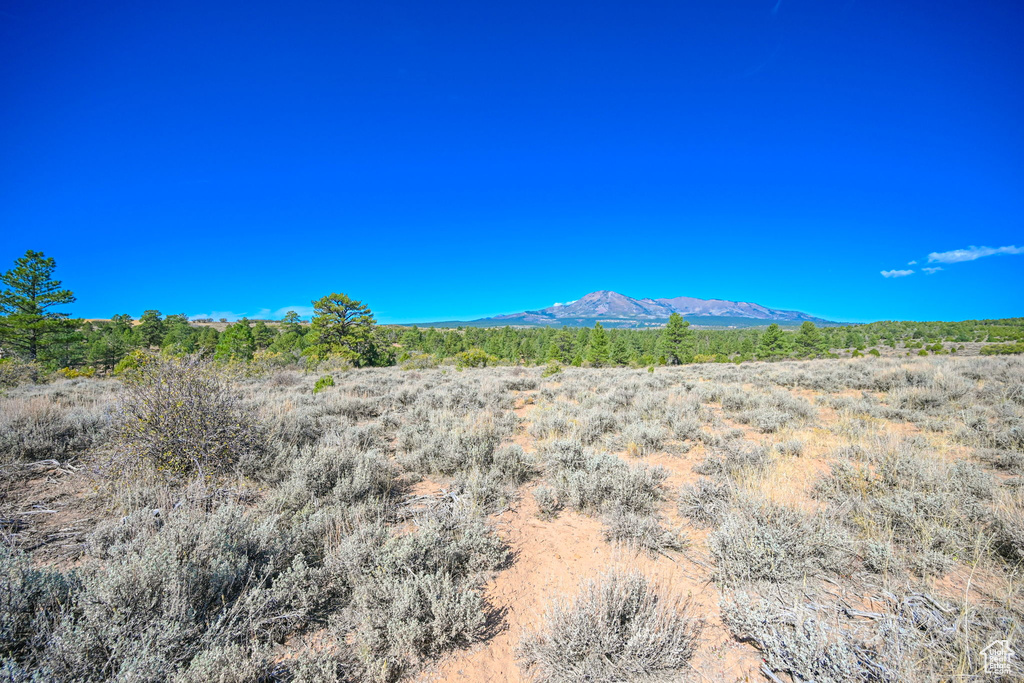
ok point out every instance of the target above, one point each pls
(181, 416)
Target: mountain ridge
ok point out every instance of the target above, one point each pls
(619, 310)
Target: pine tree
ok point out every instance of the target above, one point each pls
(622, 351)
(597, 349)
(677, 340)
(772, 344)
(150, 330)
(262, 335)
(27, 325)
(236, 343)
(809, 342)
(341, 326)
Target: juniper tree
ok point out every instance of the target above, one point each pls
(27, 325)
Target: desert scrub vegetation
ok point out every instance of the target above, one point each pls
(764, 541)
(269, 531)
(255, 515)
(618, 627)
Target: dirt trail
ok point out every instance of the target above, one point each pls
(551, 557)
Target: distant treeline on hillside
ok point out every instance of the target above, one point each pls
(345, 330)
(104, 344)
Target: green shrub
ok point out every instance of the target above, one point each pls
(1000, 349)
(552, 368)
(323, 383)
(134, 361)
(474, 358)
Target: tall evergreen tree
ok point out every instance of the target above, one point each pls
(262, 335)
(622, 351)
(809, 342)
(597, 350)
(27, 323)
(151, 329)
(677, 340)
(341, 326)
(772, 344)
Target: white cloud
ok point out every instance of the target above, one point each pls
(897, 273)
(303, 311)
(261, 314)
(217, 315)
(912, 263)
(971, 253)
(932, 271)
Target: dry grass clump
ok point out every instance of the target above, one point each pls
(40, 428)
(933, 513)
(618, 627)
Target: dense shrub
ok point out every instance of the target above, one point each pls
(181, 416)
(769, 542)
(419, 596)
(706, 502)
(596, 482)
(794, 641)
(619, 627)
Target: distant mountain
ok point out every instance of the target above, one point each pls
(618, 310)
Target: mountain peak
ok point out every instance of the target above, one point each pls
(613, 307)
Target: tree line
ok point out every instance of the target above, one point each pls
(345, 330)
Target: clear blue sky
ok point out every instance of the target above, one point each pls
(443, 160)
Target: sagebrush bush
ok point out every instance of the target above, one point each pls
(181, 416)
(642, 532)
(420, 594)
(735, 459)
(706, 502)
(40, 428)
(763, 541)
(618, 627)
(595, 482)
(794, 641)
(931, 511)
(548, 504)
